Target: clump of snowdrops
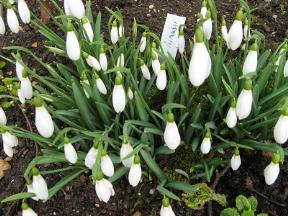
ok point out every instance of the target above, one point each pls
(94, 114)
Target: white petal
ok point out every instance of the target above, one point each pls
(125, 150)
(44, 122)
(205, 145)
(9, 139)
(235, 35)
(143, 43)
(286, 69)
(271, 173)
(203, 11)
(107, 166)
(135, 174)
(8, 150)
(119, 98)
(145, 71)
(250, 64)
(12, 21)
(19, 70)
(181, 44)
(207, 28)
(130, 94)
(120, 60)
(245, 32)
(224, 32)
(72, 46)
(90, 158)
(231, 119)
(93, 62)
(121, 31)
(235, 162)
(171, 135)
(156, 66)
(89, 31)
(76, 8)
(21, 96)
(161, 80)
(31, 190)
(167, 211)
(114, 34)
(281, 130)
(2, 26)
(109, 186)
(103, 61)
(70, 153)
(26, 88)
(244, 104)
(40, 187)
(66, 7)
(101, 86)
(3, 118)
(104, 190)
(24, 11)
(29, 212)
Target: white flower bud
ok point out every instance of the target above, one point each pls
(118, 96)
(235, 162)
(2, 26)
(244, 104)
(70, 153)
(171, 134)
(107, 166)
(135, 174)
(90, 158)
(161, 80)
(3, 118)
(281, 129)
(24, 11)
(39, 185)
(271, 173)
(101, 86)
(12, 20)
(72, 46)
(145, 71)
(104, 190)
(231, 118)
(206, 145)
(125, 150)
(76, 8)
(44, 122)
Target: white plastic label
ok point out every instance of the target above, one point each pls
(169, 39)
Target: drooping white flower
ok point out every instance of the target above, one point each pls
(235, 34)
(282, 53)
(231, 118)
(19, 70)
(31, 190)
(104, 188)
(27, 211)
(72, 44)
(161, 80)
(21, 96)
(181, 41)
(3, 118)
(26, 86)
(9, 141)
(121, 61)
(121, 30)
(130, 94)
(143, 42)
(206, 144)
(76, 8)
(155, 64)
(12, 20)
(166, 209)
(43, 119)
(145, 71)
(2, 26)
(204, 8)
(286, 69)
(271, 172)
(92, 61)
(114, 32)
(69, 151)
(224, 30)
(100, 85)
(244, 101)
(171, 134)
(125, 150)
(281, 128)
(251, 61)
(135, 172)
(118, 95)
(154, 50)
(85, 82)
(88, 28)
(246, 27)
(90, 158)
(39, 185)
(8, 150)
(235, 160)
(107, 166)
(66, 7)
(200, 63)
(207, 25)
(103, 59)
(24, 11)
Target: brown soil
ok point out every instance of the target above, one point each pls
(79, 197)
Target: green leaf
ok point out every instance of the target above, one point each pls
(229, 212)
(242, 203)
(253, 202)
(119, 173)
(182, 186)
(167, 193)
(18, 197)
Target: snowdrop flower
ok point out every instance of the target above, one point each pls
(246, 26)
(2, 26)
(20, 96)
(92, 61)
(19, 70)
(107, 166)
(3, 118)
(204, 8)
(281, 127)
(100, 84)
(235, 34)
(244, 101)
(121, 61)
(171, 134)
(281, 54)
(143, 42)
(69, 151)
(154, 49)
(24, 11)
(145, 71)
(9, 141)
(88, 28)
(236, 160)
(72, 43)
(181, 41)
(130, 94)
(125, 150)
(231, 118)
(104, 188)
(31, 190)
(75, 8)
(27, 211)
(66, 7)
(85, 82)
(207, 25)
(114, 32)
(26, 86)
(12, 20)
(155, 63)
(224, 30)
(250, 64)
(286, 69)
(206, 143)
(121, 30)
(135, 172)
(103, 59)
(271, 172)
(90, 158)
(200, 63)
(39, 185)
(166, 209)
(43, 119)
(118, 95)
(161, 81)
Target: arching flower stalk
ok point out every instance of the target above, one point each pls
(171, 134)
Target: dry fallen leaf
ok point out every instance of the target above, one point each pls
(4, 165)
(34, 45)
(137, 214)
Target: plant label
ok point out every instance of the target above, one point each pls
(169, 39)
